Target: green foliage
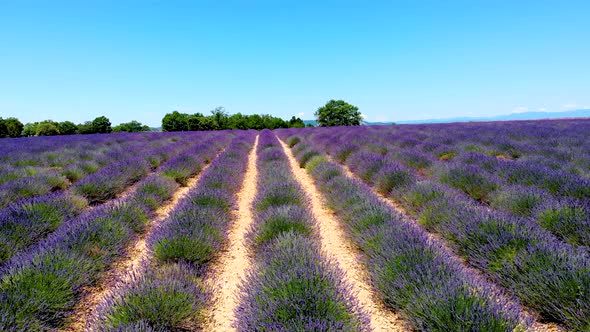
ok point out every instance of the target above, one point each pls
(85, 128)
(47, 128)
(221, 120)
(280, 195)
(131, 127)
(175, 121)
(196, 122)
(49, 284)
(285, 219)
(3, 130)
(293, 141)
(164, 299)
(101, 125)
(67, 128)
(193, 249)
(567, 222)
(476, 185)
(296, 123)
(338, 113)
(10, 127)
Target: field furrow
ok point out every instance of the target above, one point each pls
(412, 272)
(40, 289)
(292, 284)
(337, 246)
(130, 261)
(233, 261)
(25, 223)
(167, 290)
(515, 253)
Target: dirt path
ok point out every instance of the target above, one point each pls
(337, 246)
(479, 276)
(230, 267)
(130, 261)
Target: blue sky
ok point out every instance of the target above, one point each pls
(396, 60)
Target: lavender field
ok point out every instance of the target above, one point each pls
(448, 227)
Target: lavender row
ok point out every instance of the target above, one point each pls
(559, 144)
(475, 175)
(168, 293)
(61, 150)
(292, 286)
(531, 171)
(25, 222)
(114, 178)
(39, 289)
(546, 274)
(559, 183)
(27, 181)
(412, 273)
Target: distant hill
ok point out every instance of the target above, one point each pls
(507, 117)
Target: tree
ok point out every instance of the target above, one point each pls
(30, 129)
(47, 128)
(196, 122)
(131, 127)
(220, 116)
(101, 125)
(85, 128)
(296, 123)
(338, 113)
(67, 128)
(14, 128)
(3, 131)
(175, 121)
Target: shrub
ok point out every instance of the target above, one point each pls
(471, 181)
(167, 298)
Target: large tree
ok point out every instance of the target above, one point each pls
(67, 128)
(131, 127)
(47, 128)
(101, 125)
(175, 121)
(14, 127)
(338, 113)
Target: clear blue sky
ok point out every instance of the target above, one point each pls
(396, 60)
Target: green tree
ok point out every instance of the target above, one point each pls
(101, 125)
(47, 128)
(14, 127)
(85, 128)
(67, 128)
(3, 131)
(220, 116)
(338, 113)
(131, 127)
(175, 121)
(30, 129)
(296, 123)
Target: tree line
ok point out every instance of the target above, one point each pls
(333, 113)
(12, 127)
(220, 120)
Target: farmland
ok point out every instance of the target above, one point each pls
(450, 227)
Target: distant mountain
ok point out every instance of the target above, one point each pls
(585, 113)
(509, 117)
(315, 123)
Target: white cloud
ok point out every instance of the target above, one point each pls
(542, 109)
(300, 114)
(363, 116)
(520, 109)
(570, 106)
